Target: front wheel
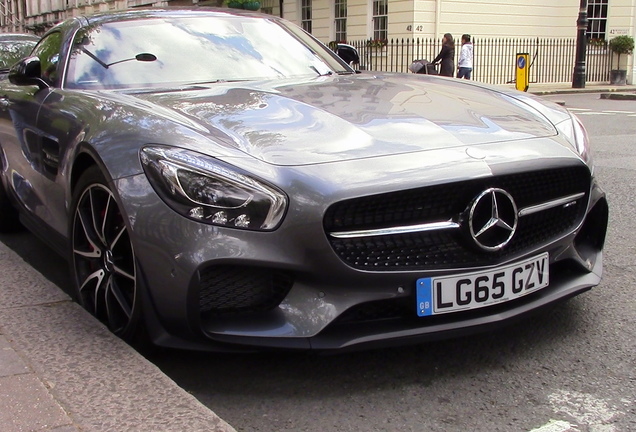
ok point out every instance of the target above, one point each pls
(103, 261)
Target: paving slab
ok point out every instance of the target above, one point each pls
(26, 405)
(10, 362)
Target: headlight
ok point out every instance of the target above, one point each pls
(577, 135)
(207, 190)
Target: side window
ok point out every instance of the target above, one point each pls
(48, 50)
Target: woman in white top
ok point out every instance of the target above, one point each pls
(465, 64)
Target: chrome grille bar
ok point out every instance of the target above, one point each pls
(433, 226)
(550, 204)
(450, 224)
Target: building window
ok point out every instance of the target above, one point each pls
(341, 20)
(380, 19)
(267, 7)
(305, 15)
(596, 19)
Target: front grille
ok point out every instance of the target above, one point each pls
(453, 248)
(225, 290)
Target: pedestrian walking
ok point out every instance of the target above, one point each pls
(446, 57)
(465, 64)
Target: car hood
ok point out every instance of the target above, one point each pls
(330, 119)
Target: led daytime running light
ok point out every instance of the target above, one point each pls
(208, 190)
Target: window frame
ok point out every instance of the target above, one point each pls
(380, 20)
(340, 20)
(306, 15)
(597, 12)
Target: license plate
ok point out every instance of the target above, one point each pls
(445, 294)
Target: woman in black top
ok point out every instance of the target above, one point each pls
(447, 56)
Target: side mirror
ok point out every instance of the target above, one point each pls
(27, 71)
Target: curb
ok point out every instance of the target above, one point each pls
(619, 96)
(592, 89)
(63, 371)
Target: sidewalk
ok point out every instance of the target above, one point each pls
(62, 371)
(609, 91)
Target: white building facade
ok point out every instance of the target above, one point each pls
(362, 19)
(346, 20)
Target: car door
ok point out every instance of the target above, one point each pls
(31, 155)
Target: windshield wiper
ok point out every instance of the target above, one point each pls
(143, 57)
(315, 69)
(216, 81)
(94, 57)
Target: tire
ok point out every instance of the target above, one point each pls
(103, 264)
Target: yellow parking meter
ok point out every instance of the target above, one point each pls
(522, 73)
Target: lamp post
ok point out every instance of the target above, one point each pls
(578, 76)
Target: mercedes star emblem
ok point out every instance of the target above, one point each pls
(492, 219)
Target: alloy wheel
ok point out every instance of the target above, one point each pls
(104, 260)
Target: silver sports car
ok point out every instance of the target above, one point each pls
(221, 180)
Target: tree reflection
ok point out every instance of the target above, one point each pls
(13, 50)
(188, 50)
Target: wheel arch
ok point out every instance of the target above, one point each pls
(85, 158)
(83, 162)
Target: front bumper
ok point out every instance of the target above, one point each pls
(320, 302)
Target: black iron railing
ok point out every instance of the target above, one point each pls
(551, 59)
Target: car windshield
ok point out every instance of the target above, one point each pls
(13, 50)
(160, 52)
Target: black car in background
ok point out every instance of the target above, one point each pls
(13, 47)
